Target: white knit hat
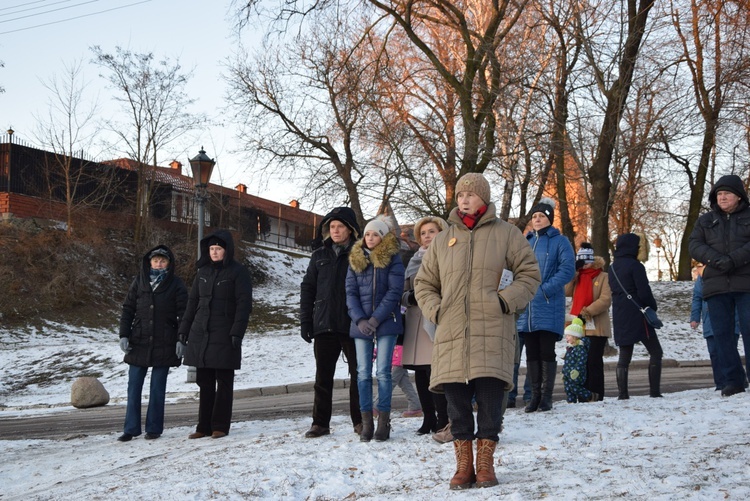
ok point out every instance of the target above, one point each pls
(379, 225)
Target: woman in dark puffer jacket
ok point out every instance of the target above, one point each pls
(216, 318)
(148, 335)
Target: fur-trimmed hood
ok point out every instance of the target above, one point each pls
(598, 263)
(380, 256)
(633, 245)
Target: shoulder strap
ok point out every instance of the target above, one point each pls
(624, 289)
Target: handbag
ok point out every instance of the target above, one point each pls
(648, 313)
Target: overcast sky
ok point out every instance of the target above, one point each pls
(38, 38)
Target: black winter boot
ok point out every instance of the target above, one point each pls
(654, 379)
(549, 373)
(367, 427)
(383, 432)
(622, 383)
(534, 373)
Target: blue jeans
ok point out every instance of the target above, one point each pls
(365, 348)
(156, 397)
(527, 381)
(721, 310)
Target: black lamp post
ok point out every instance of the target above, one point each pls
(202, 167)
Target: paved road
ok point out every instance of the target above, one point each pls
(293, 401)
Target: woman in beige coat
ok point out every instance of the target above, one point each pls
(591, 300)
(459, 288)
(419, 333)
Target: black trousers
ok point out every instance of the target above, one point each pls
(216, 399)
(489, 393)
(653, 346)
(595, 365)
(540, 345)
(328, 348)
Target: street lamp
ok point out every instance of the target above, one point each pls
(657, 244)
(202, 167)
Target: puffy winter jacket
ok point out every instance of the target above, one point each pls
(219, 307)
(717, 234)
(456, 288)
(150, 318)
(323, 298)
(629, 324)
(546, 312)
(374, 285)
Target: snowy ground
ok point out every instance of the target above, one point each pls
(691, 445)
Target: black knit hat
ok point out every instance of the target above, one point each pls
(217, 241)
(547, 207)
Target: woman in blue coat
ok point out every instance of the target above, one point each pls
(628, 277)
(543, 322)
(374, 285)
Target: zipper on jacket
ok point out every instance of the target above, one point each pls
(467, 307)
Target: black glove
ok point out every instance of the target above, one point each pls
(503, 305)
(724, 264)
(408, 298)
(580, 263)
(306, 332)
(182, 338)
(236, 342)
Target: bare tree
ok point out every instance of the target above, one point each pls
(68, 130)
(303, 106)
(152, 95)
(715, 40)
(474, 31)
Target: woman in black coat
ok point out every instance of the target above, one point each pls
(148, 335)
(628, 276)
(215, 321)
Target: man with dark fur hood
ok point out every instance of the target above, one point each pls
(721, 240)
(324, 318)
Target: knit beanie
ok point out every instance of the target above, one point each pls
(217, 241)
(379, 225)
(575, 328)
(476, 183)
(585, 253)
(547, 207)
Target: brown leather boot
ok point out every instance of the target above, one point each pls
(368, 427)
(486, 463)
(464, 476)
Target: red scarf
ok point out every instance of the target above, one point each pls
(584, 291)
(470, 220)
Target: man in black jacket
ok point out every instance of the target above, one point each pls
(721, 240)
(324, 317)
